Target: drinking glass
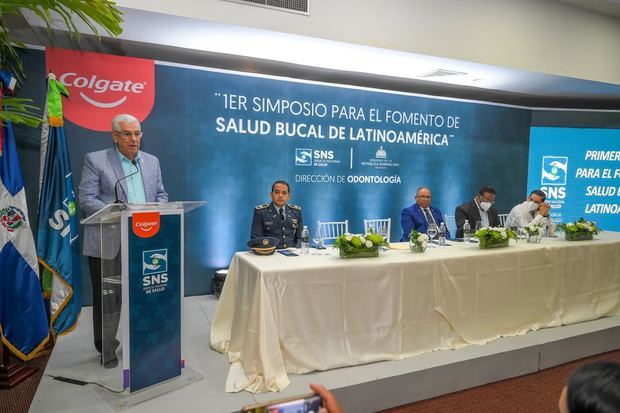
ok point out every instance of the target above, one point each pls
(478, 225)
(318, 241)
(520, 228)
(431, 232)
(514, 228)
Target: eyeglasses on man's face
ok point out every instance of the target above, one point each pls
(128, 134)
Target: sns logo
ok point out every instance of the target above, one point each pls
(308, 157)
(303, 157)
(154, 267)
(154, 261)
(554, 170)
(101, 86)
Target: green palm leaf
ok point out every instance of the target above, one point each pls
(20, 111)
(97, 15)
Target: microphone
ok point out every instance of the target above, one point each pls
(134, 163)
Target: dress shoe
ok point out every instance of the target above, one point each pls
(115, 344)
(111, 361)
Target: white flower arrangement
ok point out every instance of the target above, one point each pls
(491, 236)
(418, 241)
(355, 243)
(580, 229)
(534, 229)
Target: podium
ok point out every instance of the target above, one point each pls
(142, 271)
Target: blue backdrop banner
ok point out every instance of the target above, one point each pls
(154, 302)
(348, 152)
(579, 170)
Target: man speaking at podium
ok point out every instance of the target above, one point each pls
(121, 173)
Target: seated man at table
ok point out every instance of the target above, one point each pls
(479, 209)
(420, 214)
(278, 219)
(534, 210)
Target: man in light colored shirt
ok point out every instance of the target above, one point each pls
(126, 174)
(531, 212)
(135, 185)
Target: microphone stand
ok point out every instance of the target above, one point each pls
(134, 163)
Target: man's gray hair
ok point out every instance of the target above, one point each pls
(123, 118)
(417, 191)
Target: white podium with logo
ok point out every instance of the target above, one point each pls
(142, 267)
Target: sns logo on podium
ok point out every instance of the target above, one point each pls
(154, 270)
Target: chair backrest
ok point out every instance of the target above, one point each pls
(502, 219)
(379, 226)
(450, 222)
(332, 230)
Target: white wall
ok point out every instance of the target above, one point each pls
(537, 35)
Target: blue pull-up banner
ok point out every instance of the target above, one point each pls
(579, 170)
(154, 283)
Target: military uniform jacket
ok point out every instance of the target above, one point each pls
(266, 222)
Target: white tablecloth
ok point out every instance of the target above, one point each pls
(280, 315)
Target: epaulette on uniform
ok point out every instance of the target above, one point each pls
(263, 206)
(294, 207)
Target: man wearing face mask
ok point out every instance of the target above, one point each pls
(531, 212)
(479, 209)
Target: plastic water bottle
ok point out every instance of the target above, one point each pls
(305, 240)
(442, 235)
(466, 231)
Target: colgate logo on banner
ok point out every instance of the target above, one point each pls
(145, 224)
(102, 86)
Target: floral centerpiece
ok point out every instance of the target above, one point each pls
(579, 230)
(417, 241)
(494, 237)
(534, 232)
(358, 245)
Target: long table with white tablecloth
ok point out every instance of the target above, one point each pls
(280, 315)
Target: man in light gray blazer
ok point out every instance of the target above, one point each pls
(136, 178)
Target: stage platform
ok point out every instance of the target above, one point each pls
(365, 388)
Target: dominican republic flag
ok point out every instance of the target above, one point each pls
(57, 236)
(23, 321)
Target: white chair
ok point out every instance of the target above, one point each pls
(450, 222)
(502, 219)
(379, 226)
(332, 230)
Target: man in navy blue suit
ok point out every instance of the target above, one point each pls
(418, 215)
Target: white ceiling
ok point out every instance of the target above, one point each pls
(223, 38)
(198, 35)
